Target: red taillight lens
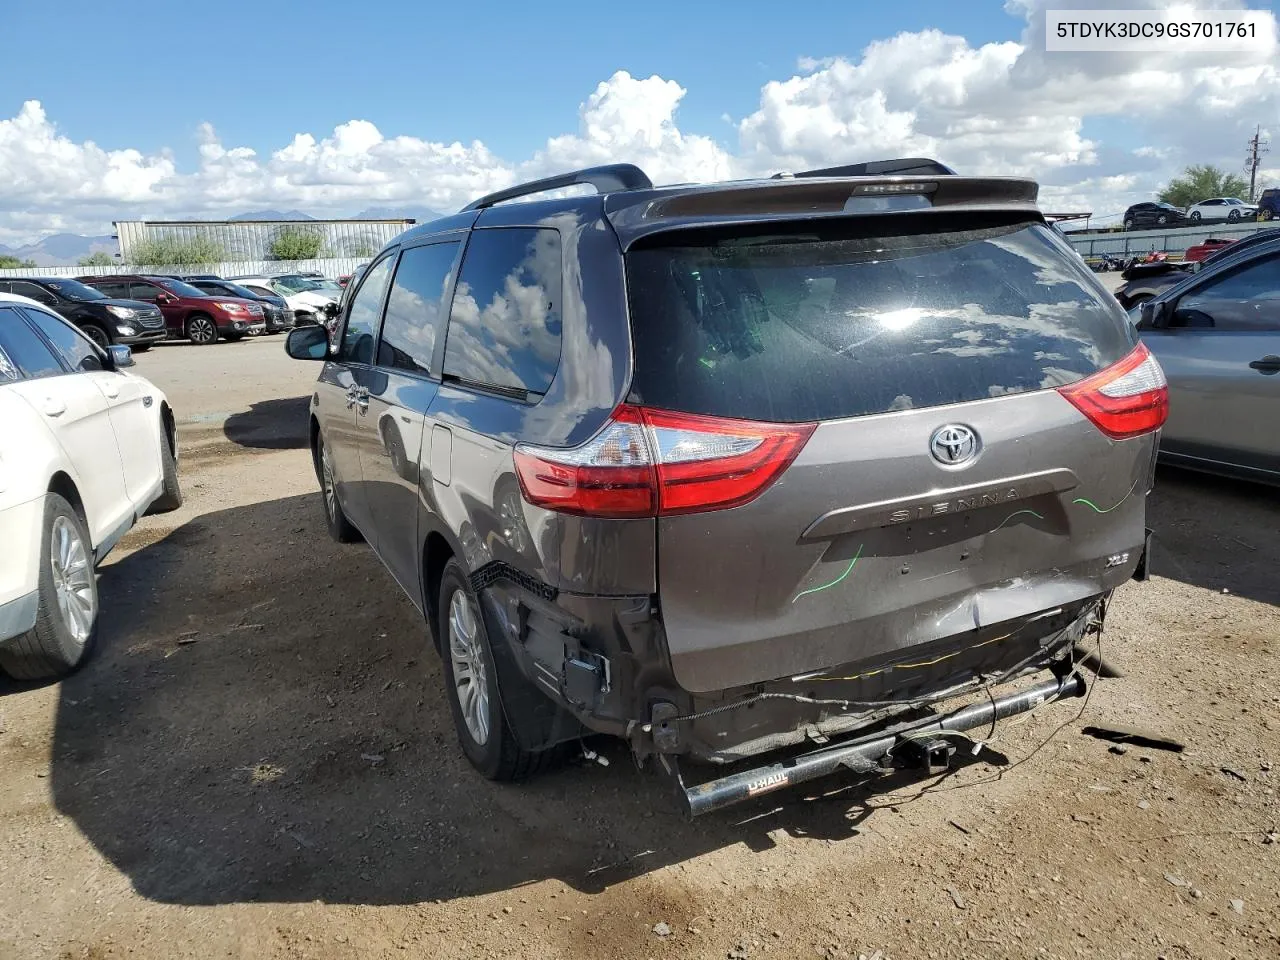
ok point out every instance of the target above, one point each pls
(1127, 399)
(649, 462)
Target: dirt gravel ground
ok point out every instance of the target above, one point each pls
(259, 763)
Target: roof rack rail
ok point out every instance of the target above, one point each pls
(907, 166)
(613, 176)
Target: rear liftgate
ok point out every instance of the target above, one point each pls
(911, 742)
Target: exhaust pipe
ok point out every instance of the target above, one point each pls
(862, 755)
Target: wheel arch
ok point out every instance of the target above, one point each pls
(438, 548)
(64, 486)
(169, 426)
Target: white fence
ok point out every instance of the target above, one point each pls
(333, 268)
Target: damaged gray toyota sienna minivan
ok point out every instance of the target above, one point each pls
(770, 467)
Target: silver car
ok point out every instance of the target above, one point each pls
(1217, 335)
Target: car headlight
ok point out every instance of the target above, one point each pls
(122, 313)
(231, 307)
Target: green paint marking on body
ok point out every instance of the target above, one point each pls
(826, 586)
(1097, 509)
(1018, 514)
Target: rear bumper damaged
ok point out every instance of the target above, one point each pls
(868, 753)
(601, 663)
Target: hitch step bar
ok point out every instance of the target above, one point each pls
(862, 755)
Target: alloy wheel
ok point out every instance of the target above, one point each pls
(201, 330)
(97, 335)
(326, 479)
(470, 674)
(72, 579)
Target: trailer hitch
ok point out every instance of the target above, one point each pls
(864, 754)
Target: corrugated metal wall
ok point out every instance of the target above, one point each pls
(1168, 239)
(252, 239)
(332, 268)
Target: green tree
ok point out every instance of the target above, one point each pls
(176, 251)
(13, 263)
(98, 258)
(296, 243)
(1201, 182)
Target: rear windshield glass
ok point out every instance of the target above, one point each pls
(810, 327)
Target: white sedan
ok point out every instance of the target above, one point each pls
(1231, 209)
(85, 450)
(306, 297)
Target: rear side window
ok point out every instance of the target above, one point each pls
(504, 327)
(112, 288)
(142, 291)
(33, 291)
(73, 346)
(816, 326)
(413, 307)
(23, 348)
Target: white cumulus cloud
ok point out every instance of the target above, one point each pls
(996, 108)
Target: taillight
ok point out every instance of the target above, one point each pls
(648, 462)
(1127, 399)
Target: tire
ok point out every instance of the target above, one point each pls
(97, 333)
(1265, 214)
(339, 527)
(483, 733)
(139, 347)
(1195, 216)
(201, 330)
(1162, 220)
(1128, 224)
(67, 617)
(1233, 216)
(171, 494)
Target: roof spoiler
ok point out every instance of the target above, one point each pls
(905, 167)
(613, 176)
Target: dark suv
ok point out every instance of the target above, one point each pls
(1269, 204)
(188, 312)
(731, 468)
(103, 319)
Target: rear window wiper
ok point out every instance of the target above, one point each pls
(509, 393)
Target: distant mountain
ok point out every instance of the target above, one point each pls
(421, 214)
(61, 249)
(272, 215)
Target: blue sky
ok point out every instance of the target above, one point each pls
(164, 110)
(507, 72)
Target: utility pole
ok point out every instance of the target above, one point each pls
(1257, 147)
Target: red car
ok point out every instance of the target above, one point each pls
(188, 312)
(1202, 250)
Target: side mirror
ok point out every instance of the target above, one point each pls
(121, 356)
(307, 343)
(166, 298)
(1155, 314)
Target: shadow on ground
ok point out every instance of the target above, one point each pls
(270, 425)
(1216, 533)
(264, 720)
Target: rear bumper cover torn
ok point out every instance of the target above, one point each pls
(861, 754)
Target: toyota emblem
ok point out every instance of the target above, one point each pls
(953, 445)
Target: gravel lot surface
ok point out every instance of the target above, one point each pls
(259, 763)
